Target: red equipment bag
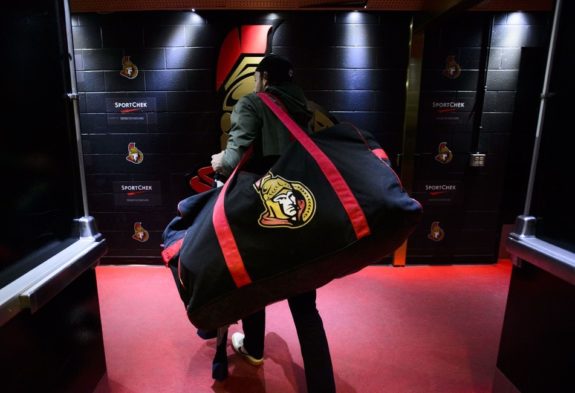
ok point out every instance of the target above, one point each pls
(328, 207)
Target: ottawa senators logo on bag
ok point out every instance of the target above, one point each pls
(287, 204)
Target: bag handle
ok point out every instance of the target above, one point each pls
(332, 174)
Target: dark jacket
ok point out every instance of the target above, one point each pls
(253, 122)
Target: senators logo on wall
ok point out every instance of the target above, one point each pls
(436, 233)
(140, 233)
(241, 51)
(129, 69)
(287, 204)
(452, 70)
(444, 154)
(135, 155)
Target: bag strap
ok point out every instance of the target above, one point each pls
(332, 174)
(224, 233)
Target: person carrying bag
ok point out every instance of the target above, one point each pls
(281, 227)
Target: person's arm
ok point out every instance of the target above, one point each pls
(246, 123)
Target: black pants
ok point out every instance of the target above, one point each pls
(312, 340)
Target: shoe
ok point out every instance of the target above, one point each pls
(207, 334)
(238, 344)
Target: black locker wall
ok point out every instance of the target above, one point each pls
(353, 63)
(464, 205)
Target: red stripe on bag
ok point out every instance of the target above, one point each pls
(225, 236)
(380, 153)
(333, 176)
(171, 250)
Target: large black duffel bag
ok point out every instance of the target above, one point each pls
(328, 207)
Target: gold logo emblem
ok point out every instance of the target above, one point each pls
(239, 83)
(140, 234)
(452, 70)
(129, 69)
(135, 155)
(287, 204)
(436, 233)
(444, 154)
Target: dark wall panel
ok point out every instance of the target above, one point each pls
(455, 120)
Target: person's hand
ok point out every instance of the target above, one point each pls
(217, 162)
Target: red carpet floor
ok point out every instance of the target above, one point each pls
(399, 330)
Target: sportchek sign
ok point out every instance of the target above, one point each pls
(142, 193)
(130, 110)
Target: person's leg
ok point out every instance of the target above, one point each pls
(313, 343)
(254, 327)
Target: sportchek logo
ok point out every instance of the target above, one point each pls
(136, 189)
(440, 193)
(130, 107)
(137, 193)
(440, 188)
(447, 106)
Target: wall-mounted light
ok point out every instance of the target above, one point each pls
(517, 18)
(515, 32)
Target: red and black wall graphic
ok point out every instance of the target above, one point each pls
(240, 53)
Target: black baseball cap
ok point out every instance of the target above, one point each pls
(278, 68)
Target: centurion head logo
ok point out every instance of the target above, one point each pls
(287, 204)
